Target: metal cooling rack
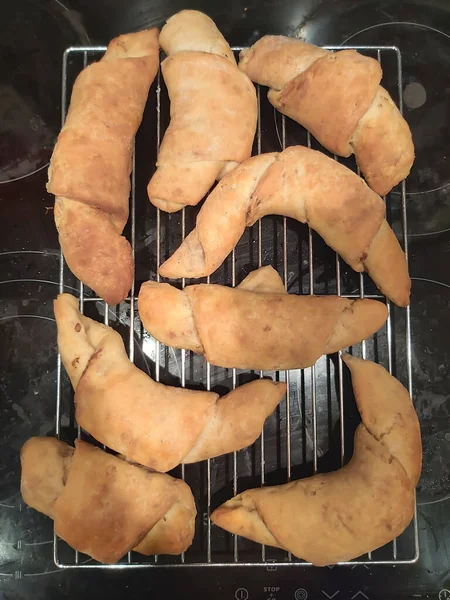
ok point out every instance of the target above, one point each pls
(295, 426)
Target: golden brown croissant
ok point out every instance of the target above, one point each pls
(256, 325)
(104, 506)
(90, 168)
(213, 112)
(338, 516)
(150, 423)
(312, 188)
(337, 97)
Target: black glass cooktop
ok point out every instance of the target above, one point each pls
(34, 34)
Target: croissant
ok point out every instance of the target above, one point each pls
(104, 506)
(312, 188)
(213, 112)
(150, 423)
(337, 97)
(90, 167)
(256, 325)
(338, 516)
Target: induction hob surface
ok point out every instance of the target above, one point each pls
(29, 274)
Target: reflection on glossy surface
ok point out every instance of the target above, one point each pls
(25, 548)
(33, 36)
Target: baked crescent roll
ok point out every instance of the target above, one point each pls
(338, 516)
(307, 186)
(104, 506)
(337, 97)
(256, 325)
(213, 112)
(90, 167)
(155, 425)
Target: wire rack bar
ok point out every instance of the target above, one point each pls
(210, 555)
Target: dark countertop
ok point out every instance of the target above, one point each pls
(29, 263)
